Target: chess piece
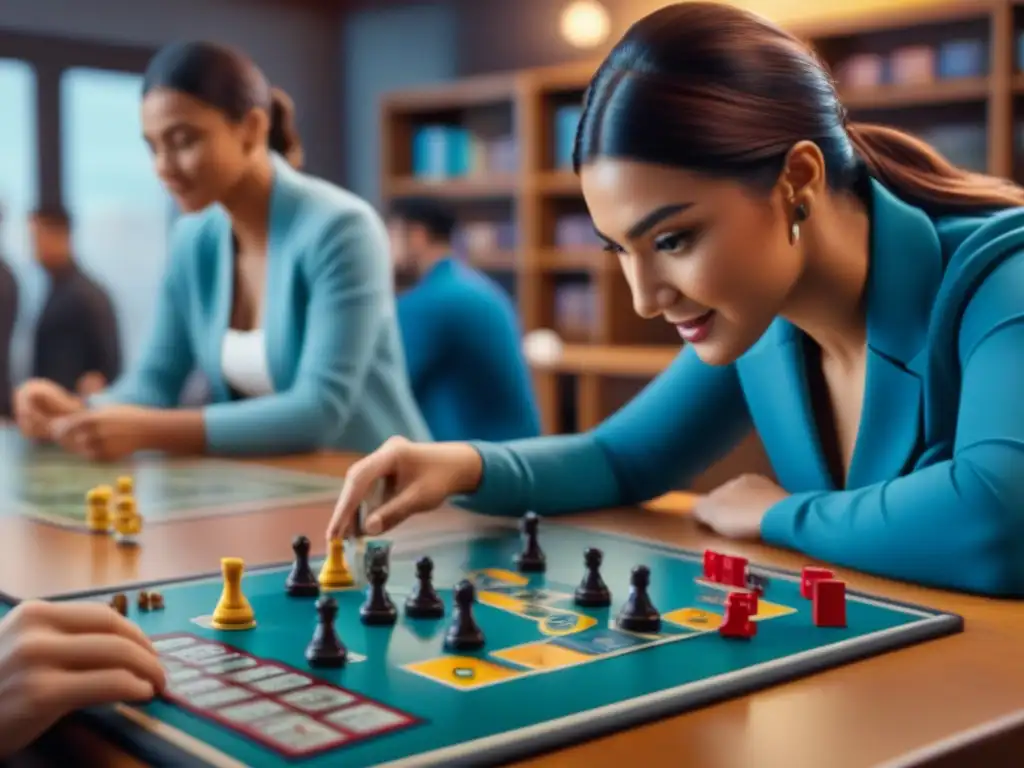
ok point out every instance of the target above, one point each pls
(144, 602)
(639, 614)
(156, 601)
(378, 609)
(301, 581)
(335, 573)
(464, 634)
(592, 591)
(531, 559)
(424, 602)
(125, 486)
(326, 648)
(233, 610)
(97, 512)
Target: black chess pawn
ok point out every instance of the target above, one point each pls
(592, 591)
(424, 602)
(326, 648)
(301, 581)
(378, 609)
(464, 634)
(639, 614)
(531, 559)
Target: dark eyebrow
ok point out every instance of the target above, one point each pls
(655, 216)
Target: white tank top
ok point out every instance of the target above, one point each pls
(244, 362)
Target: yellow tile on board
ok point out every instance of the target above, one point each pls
(694, 618)
(541, 655)
(767, 610)
(462, 671)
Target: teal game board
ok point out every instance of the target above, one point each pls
(551, 673)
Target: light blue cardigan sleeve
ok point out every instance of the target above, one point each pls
(682, 422)
(348, 274)
(959, 523)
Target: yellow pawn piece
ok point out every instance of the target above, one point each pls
(97, 513)
(335, 573)
(127, 521)
(233, 610)
(125, 485)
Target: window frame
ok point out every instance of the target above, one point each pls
(50, 56)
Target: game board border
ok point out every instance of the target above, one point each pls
(521, 743)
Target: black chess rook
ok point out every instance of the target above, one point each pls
(531, 559)
(378, 609)
(464, 634)
(326, 648)
(638, 614)
(592, 591)
(301, 581)
(424, 602)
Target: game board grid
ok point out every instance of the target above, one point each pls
(325, 723)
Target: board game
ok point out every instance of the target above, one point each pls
(49, 485)
(549, 673)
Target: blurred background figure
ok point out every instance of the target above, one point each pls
(8, 318)
(461, 334)
(77, 342)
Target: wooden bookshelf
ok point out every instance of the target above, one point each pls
(966, 107)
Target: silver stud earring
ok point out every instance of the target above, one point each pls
(794, 233)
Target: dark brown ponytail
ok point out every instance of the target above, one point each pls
(916, 172)
(284, 136)
(712, 88)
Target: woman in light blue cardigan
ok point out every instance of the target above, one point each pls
(278, 289)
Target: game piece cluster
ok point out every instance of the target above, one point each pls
(114, 511)
(638, 613)
(145, 601)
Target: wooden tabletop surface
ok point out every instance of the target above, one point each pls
(857, 715)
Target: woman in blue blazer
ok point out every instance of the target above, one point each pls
(278, 288)
(843, 289)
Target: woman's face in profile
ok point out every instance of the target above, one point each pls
(198, 154)
(709, 256)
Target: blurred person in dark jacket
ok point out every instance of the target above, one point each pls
(77, 342)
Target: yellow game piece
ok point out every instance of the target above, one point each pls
(335, 573)
(125, 485)
(233, 610)
(97, 513)
(127, 522)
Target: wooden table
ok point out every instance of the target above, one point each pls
(857, 715)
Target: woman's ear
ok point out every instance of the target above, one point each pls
(803, 176)
(255, 127)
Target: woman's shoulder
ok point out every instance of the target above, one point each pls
(322, 204)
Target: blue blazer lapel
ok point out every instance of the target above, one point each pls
(905, 273)
(279, 300)
(774, 380)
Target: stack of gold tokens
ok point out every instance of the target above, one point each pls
(109, 510)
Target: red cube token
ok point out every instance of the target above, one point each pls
(734, 571)
(810, 575)
(712, 565)
(829, 606)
